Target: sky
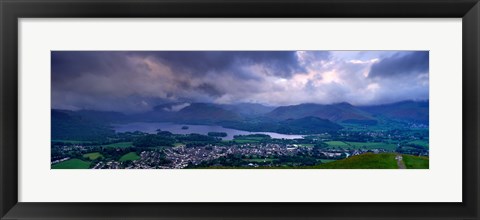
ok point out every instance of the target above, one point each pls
(136, 81)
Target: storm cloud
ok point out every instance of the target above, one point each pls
(405, 63)
(134, 81)
(281, 63)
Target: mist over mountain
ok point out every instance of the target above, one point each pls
(249, 109)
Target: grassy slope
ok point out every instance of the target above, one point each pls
(364, 161)
(93, 156)
(415, 162)
(129, 156)
(72, 164)
(336, 144)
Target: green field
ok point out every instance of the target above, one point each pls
(72, 141)
(384, 124)
(373, 145)
(93, 156)
(361, 145)
(245, 141)
(72, 164)
(119, 145)
(423, 143)
(129, 156)
(363, 161)
(306, 145)
(326, 160)
(415, 162)
(248, 139)
(260, 160)
(336, 144)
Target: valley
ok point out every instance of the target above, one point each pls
(245, 136)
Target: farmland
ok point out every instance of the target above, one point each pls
(93, 156)
(72, 164)
(166, 150)
(423, 143)
(119, 145)
(360, 145)
(130, 156)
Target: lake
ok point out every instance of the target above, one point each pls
(151, 127)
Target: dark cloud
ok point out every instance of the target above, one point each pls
(70, 64)
(210, 90)
(280, 63)
(132, 81)
(401, 64)
(110, 77)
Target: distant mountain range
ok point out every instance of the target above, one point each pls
(342, 112)
(409, 111)
(295, 119)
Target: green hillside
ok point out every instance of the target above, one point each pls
(375, 161)
(129, 156)
(93, 156)
(72, 164)
(415, 162)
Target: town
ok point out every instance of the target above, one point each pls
(250, 151)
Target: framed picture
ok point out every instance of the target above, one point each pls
(239, 109)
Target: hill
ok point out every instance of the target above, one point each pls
(341, 112)
(294, 119)
(194, 113)
(409, 111)
(375, 161)
(68, 125)
(249, 109)
(307, 125)
(204, 113)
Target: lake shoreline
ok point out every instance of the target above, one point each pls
(152, 127)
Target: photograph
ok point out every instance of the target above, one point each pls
(315, 109)
(302, 109)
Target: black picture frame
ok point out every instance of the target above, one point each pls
(12, 10)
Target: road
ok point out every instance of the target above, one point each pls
(400, 163)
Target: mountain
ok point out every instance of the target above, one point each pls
(409, 111)
(307, 125)
(161, 112)
(341, 112)
(249, 109)
(69, 125)
(295, 119)
(204, 113)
